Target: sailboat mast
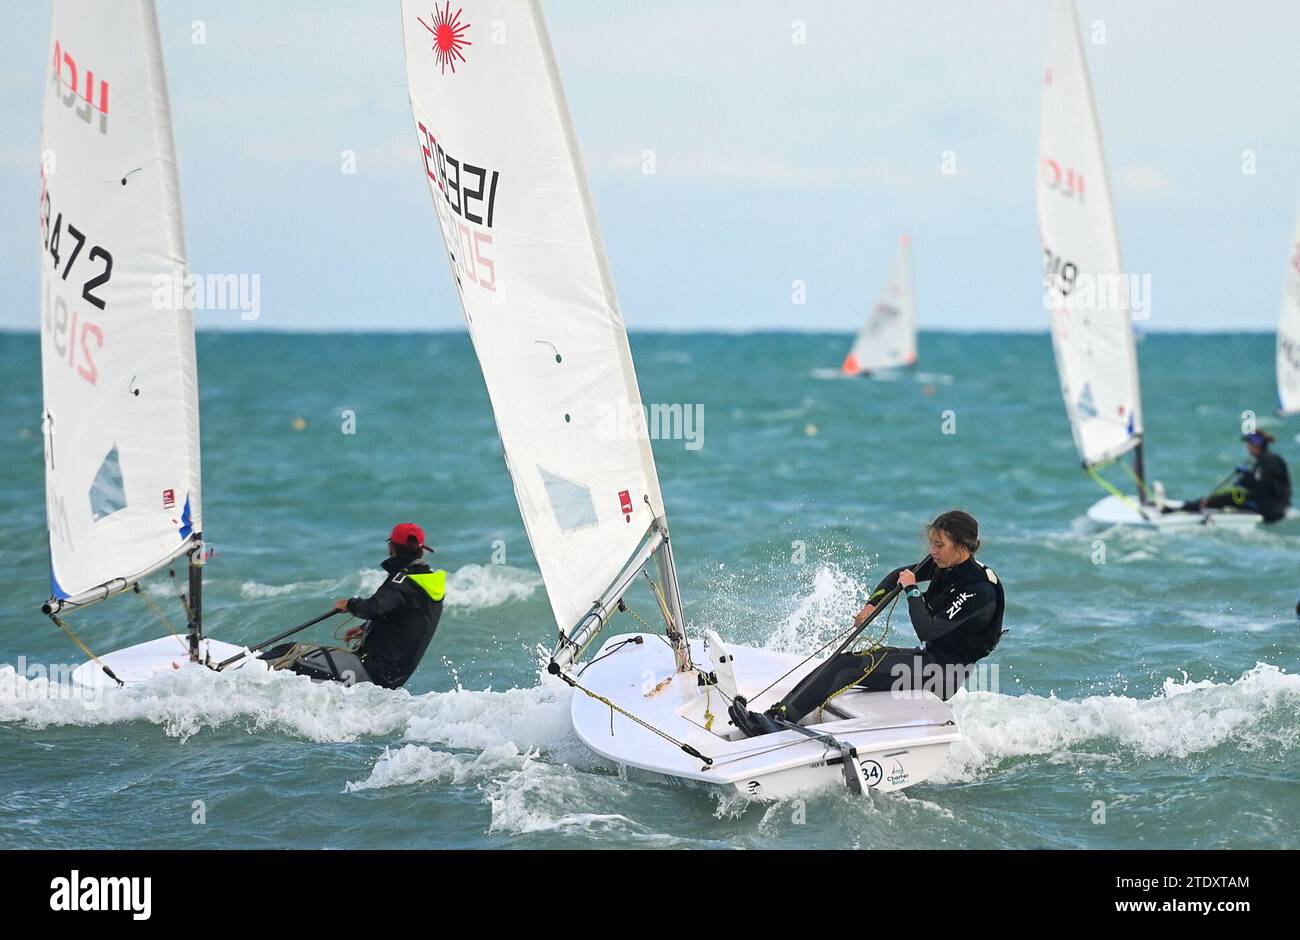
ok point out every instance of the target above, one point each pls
(196, 598)
(667, 567)
(1139, 471)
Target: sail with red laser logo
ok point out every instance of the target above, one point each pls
(519, 227)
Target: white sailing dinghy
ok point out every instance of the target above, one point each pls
(1087, 292)
(1288, 336)
(519, 226)
(887, 339)
(121, 417)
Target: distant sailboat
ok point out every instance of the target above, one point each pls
(121, 416)
(887, 339)
(1288, 335)
(1092, 331)
(519, 227)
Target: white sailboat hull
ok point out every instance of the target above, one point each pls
(1113, 511)
(900, 739)
(152, 659)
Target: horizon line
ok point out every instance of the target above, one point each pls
(689, 331)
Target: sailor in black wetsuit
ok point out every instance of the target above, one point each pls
(1262, 486)
(402, 616)
(958, 618)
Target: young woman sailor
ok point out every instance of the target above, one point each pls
(958, 618)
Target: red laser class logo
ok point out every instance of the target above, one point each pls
(448, 36)
(67, 76)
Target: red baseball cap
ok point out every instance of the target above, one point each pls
(408, 535)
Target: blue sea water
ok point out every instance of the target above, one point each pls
(1150, 700)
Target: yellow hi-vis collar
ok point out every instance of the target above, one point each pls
(434, 583)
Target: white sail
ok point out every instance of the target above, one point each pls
(887, 339)
(117, 345)
(1288, 335)
(1084, 285)
(519, 225)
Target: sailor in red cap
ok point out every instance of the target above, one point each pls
(402, 615)
(401, 618)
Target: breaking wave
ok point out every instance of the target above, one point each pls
(472, 587)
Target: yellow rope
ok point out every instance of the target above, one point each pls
(84, 648)
(340, 634)
(663, 603)
(1108, 486)
(625, 713)
(1238, 494)
(1141, 484)
(293, 653)
(878, 643)
(639, 619)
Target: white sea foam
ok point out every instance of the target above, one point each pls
(525, 793)
(414, 764)
(472, 587)
(480, 586)
(821, 613)
(543, 797)
(1260, 709)
(193, 701)
(255, 591)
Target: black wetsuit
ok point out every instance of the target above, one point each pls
(1264, 486)
(959, 619)
(403, 615)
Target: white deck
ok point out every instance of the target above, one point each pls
(147, 660)
(900, 739)
(1113, 511)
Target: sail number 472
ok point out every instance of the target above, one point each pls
(61, 252)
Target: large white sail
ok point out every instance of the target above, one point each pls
(520, 229)
(887, 339)
(117, 345)
(1288, 335)
(1084, 284)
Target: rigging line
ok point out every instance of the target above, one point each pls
(342, 629)
(710, 686)
(869, 651)
(85, 649)
(161, 615)
(809, 658)
(1141, 483)
(649, 629)
(627, 714)
(821, 739)
(663, 604)
(813, 655)
(770, 750)
(185, 601)
(634, 639)
(1109, 487)
(675, 630)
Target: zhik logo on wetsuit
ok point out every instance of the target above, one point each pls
(956, 605)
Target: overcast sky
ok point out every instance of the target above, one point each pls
(775, 161)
